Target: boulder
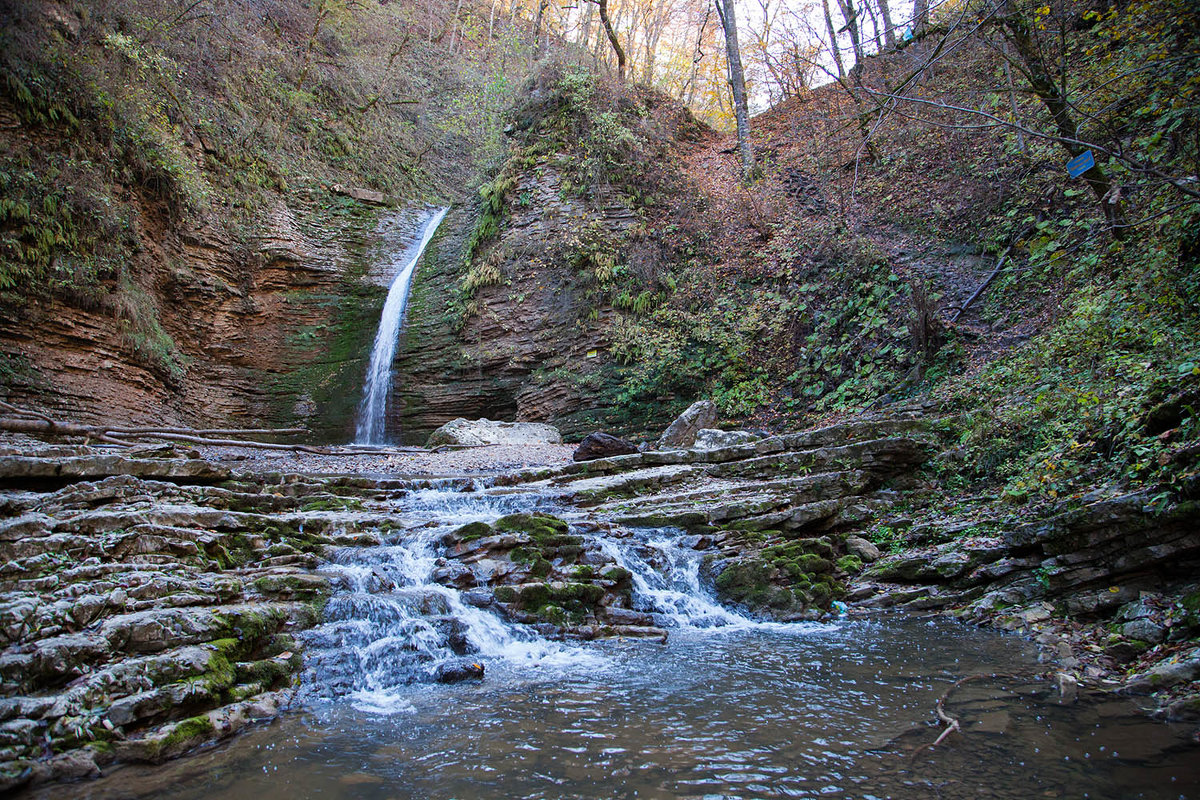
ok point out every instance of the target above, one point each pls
(465, 432)
(713, 439)
(1180, 668)
(860, 547)
(602, 445)
(458, 670)
(682, 432)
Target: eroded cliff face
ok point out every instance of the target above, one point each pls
(514, 312)
(189, 203)
(270, 334)
(529, 349)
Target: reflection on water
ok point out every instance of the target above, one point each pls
(813, 711)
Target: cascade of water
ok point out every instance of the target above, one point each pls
(392, 624)
(371, 427)
(666, 582)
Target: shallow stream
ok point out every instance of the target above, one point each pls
(726, 708)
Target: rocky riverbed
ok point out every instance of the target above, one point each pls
(484, 460)
(155, 600)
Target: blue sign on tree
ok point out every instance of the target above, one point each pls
(1081, 163)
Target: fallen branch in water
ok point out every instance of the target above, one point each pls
(953, 725)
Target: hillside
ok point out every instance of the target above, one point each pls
(191, 195)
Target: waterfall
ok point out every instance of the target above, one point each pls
(395, 619)
(373, 408)
(666, 582)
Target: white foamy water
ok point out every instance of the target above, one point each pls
(372, 411)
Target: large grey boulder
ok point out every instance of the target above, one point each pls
(468, 433)
(713, 439)
(682, 432)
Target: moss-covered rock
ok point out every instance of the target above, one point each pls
(472, 531)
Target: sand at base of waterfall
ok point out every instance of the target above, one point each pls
(471, 461)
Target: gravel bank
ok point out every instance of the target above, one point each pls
(472, 461)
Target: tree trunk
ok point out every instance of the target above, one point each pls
(454, 27)
(585, 34)
(889, 30)
(851, 17)
(536, 48)
(697, 56)
(833, 42)
(920, 18)
(612, 38)
(1016, 30)
(874, 25)
(737, 82)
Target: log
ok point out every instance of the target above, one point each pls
(105, 434)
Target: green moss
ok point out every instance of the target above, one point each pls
(572, 598)
(333, 503)
(187, 731)
(851, 564)
(220, 673)
(251, 626)
(556, 615)
(544, 529)
(617, 575)
(268, 672)
(745, 581)
(472, 531)
(293, 586)
(523, 555)
(1191, 602)
(813, 563)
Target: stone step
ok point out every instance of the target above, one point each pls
(38, 470)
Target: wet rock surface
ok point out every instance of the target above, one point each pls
(149, 602)
(154, 601)
(540, 572)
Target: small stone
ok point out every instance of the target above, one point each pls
(713, 439)
(1145, 630)
(1185, 709)
(458, 670)
(1068, 688)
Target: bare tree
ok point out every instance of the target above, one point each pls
(1031, 61)
(833, 42)
(889, 29)
(920, 18)
(619, 51)
(737, 82)
(850, 15)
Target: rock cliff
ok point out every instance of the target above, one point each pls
(513, 317)
(272, 335)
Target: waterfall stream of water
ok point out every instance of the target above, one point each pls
(372, 410)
